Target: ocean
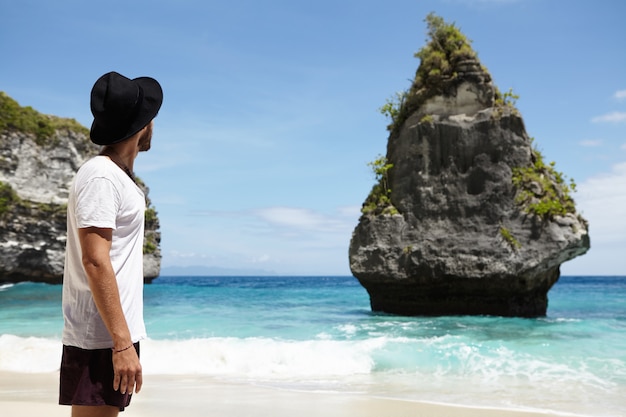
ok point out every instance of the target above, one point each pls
(319, 334)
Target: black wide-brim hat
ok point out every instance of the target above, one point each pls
(122, 107)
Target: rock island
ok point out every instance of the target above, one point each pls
(466, 217)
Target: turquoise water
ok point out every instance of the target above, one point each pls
(318, 333)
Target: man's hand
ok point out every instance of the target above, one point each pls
(127, 371)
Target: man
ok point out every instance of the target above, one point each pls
(103, 278)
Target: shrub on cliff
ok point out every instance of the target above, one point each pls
(8, 197)
(542, 190)
(28, 120)
(378, 201)
(445, 49)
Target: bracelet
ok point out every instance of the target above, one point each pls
(123, 349)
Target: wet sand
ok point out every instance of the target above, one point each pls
(27, 395)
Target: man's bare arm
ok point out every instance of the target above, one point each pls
(96, 246)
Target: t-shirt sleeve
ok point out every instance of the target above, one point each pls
(97, 204)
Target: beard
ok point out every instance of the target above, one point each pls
(145, 140)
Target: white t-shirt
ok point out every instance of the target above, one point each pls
(103, 196)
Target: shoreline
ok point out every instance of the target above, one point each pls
(24, 395)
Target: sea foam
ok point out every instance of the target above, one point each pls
(258, 357)
(220, 356)
(29, 354)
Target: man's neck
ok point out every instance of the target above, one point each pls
(126, 151)
(123, 155)
(126, 154)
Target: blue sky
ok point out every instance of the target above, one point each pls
(270, 116)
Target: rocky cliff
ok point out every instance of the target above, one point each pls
(466, 218)
(39, 156)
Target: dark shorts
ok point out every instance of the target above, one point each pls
(87, 378)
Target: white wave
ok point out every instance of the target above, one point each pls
(259, 357)
(29, 354)
(4, 287)
(434, 360)
(566, 320)
(348, 329)
(444, 369)
(242, 358)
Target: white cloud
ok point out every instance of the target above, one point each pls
(186, 255)
(260, 259)
(613, 117)
(601, 200)
(623, 147)
(282, 239)
(352, 211)
(300, 219)
(591, 143)
(620, 95)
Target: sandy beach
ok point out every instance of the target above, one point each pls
(28, 395)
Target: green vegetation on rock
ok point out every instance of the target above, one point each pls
(439, 58)
(10, 201)
(28, 120)
(150, 215)
(378, 201)
(150, 244)
(542, 190)
(8, 198)
(392, 108)
(509, 238)
(446, 48)
(149, 247)
(504, 103)
(507, 99)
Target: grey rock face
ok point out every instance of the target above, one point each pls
(446, 252)
(35, 179)
(32, 245)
